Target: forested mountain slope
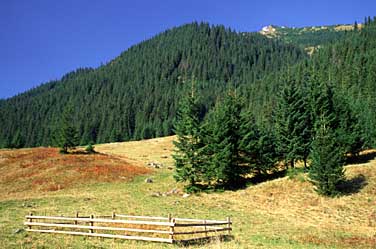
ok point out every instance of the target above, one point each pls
(348, 65)
(135, 96)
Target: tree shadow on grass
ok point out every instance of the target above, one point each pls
(244, 182)
(364, 158)
(266, 177)
(353, 185)
(202, 241)
(82, 152)
(240, 183)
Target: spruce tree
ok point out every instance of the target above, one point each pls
(187, 156)
(249, 138)
(68, 137)
(267, 156)
(326, 170)
(327, 154)
(292, 123)
(223, 164)
(349, 131)
(257, 145)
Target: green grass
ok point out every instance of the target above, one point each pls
(281, 213)
(134, 198)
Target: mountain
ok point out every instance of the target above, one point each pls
(308, 36)
(135, 96)
(347, 64)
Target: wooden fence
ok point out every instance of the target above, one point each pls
(157, 229)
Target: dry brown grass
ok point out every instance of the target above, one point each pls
(281, 213)
(45, 169)
(142, 152)
(345, 221)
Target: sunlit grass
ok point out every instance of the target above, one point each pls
(282, 213)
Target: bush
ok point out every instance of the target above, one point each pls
(90, 148)
(296, 173)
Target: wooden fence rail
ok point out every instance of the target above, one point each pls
(146, 228)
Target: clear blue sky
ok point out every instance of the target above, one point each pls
(41, 40)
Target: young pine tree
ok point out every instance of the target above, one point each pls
(68, 137)
(326, 170)
(187, 156)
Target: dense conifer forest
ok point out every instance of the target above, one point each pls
(136, 95)
(320, 110)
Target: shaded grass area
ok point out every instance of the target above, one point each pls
(364, 157)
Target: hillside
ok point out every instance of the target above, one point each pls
(280, 213)
(41, 170)
(135, 95)
(308, 36)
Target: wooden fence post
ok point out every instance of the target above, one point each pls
(113, 215)
(206, 233)
(91, 223)
(30, 219)
(172, 228)
(76, 222)
(229, 225)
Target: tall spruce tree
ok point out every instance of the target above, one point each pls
(188, 153)
(349, 131)
(327, 154)
(223, 164)
(249, 137)
(292, 123)
(68, 136)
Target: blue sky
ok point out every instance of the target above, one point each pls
(41, 40)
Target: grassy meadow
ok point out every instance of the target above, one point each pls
(280, 213)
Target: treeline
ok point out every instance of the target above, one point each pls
(322, 114)
(135, 96)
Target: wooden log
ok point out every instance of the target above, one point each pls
(103, 235)
(141, 217)
(200, 224)
(200, 220)
(202, 231)
(95, 227)
(103, 220)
